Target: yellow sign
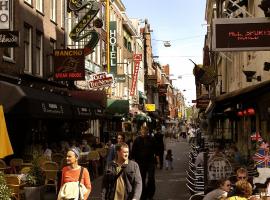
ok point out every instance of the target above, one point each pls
(150, 107)
(179, 114)
(6, 148)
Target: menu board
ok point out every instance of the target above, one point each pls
(245, 34)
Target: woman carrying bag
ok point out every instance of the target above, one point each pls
(75, 183)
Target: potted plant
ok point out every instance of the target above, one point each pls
(34, 181)
(5, 192)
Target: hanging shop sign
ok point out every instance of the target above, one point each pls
(100, 81)
(83, 30)
(5, 14)
(113, 48)
(137, 60)
(241, 34)
(9, 39)
(120, 78)
(150, 107)
(69, 64)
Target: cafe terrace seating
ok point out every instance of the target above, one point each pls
(15, 164)
(51, 169)
(15, 184)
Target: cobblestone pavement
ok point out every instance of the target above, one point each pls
(170, 184)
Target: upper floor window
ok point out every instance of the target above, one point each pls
(39, 54)
(27, 49)
(51, 63)
(63, 13)
(39, 5)
(53, 10)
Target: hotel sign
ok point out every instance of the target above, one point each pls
(113, 48)
(5, 14)
(69, 64)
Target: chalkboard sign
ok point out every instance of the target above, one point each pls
(245, 34)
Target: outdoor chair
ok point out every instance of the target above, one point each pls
(25, 170)
(16, 164)
(51, 169)
(93, 158)
(57, 157)
(197, 197)
(15, 184)
(3, 166)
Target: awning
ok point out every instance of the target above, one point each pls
(26, 101)
(98, 97)
(243, 95)
(117, 107)
(81, 109)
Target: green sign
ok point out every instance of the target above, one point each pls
(113, 48)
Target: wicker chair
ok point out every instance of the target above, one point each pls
(25, 170)
(14, 183)
(16, 164)
(197, 197)
(51, 169)
(3, 165)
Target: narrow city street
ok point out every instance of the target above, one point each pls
(170, 184)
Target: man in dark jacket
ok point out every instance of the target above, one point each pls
(122, 179)
(144, 152)
(159, 139)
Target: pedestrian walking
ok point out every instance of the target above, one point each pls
(72, 173)
(144, 152)
(112, 152)
(159, 139)
(169, 159)
(122, 179)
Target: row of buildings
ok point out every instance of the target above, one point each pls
(59, 80)
(234, 78)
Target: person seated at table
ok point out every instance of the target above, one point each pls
(199, 162)
(241, 174)
(243, 191)
(218, 153)
(234, 156)
(47, 152)
(74, 145)
(224, 186)
(85, 147)
(97, 144)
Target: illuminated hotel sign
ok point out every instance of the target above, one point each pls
(113, 48)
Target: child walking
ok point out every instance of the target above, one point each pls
(169, 159)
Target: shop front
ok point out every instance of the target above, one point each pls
(236, 116)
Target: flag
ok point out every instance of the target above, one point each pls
(256, 137)
(5, 145)
(262, 158)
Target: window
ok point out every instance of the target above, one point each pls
(39, 5)
(125, 42)
(53, 10)
(8, 53)
(63, 13)
(51, 63)
(39, 54)
(27, 49)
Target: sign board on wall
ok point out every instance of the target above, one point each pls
(137, 59)
(9, 38)
(69, 64)
(241, 34)
(5, 14)
(150, 107)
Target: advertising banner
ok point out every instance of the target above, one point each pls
(9, 38)
(137, 59)
(69, 64)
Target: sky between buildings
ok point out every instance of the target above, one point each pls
(182, 23)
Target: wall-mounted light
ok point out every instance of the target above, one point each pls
(250, 75)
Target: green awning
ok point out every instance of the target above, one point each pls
(117, 107)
